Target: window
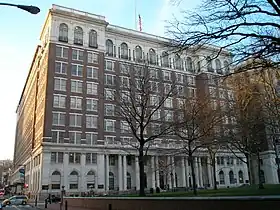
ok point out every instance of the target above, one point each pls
(91, 88)
(156, 128)
(76, 102)
(222, 177)
(138, 51)
(180, 90)
(156, 115)
(180, 102)
(209, 64)
(92, 57)
(92, 72)
(63, 32)
(189, 65)
(57, 157)
(92, 39)
(109, 79)
(154, 100)
(124, 51)
(75, 137)
(231, 177)
(153, 57)
(78, 35)
(167, 75)
(110, 125)
(109, 109)
(212, 92)
(168, 115)
(76, 70)
(58, 136)
(180, 78)
(109, 94)
(59, 101)
(126, 96)
(58, 118)
(92, 104)
(218, 66)
(125, 128)
(154, 86)
(168, 103)
(139, 71)
(222, 93)
(109, 47)
(73, 179)
(110, 140)
(167, 88)
(61, 52)
(164, 59)
(230, 160)
(60, 67)
(124, 68)
(178, 62)
(91, 121)
(125, 82)
(76, 86)
(91, 138)
(74, 158)
(191, 80)
(192, 92)
(60, 84)
(75, 120)
(109, 65)
(154, 73)
(91, 158)
(77, 55)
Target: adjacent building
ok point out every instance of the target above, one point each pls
(67, 133)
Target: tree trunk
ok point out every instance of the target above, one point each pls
(214, 173)
(193, 175)
(277, 159)
(141, 171)
(250, 174)
(259, 172)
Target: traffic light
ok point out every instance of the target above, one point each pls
(21, 172)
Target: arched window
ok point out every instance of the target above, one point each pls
(74, 180)
(55, 180)
(218, 66)
(124, 51)
(92, 36)
(109, 47)
(226, 67)
(165, 59)
(128, 180)
(153, 56)
(111, 181)
(240, 177)
(262, 177)
(63, 32)
(231, 177)
(189, 65)
(178, 62)
(138, 52)
(90, 180)
(209, 64)
(222, 177)
(78, 35)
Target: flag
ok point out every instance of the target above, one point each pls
(140, 22)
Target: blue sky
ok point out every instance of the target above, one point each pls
(20, 35)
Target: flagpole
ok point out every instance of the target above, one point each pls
(135, 13)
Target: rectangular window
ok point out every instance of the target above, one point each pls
(59, 84)
(168, 103)
(92, 72)
(180, 78)
(53, 157)
(92, 57)
(92, 88)
(154, 86)
(109, 65)
(109, 94)
(92, 104)
(76, 102)
(75, 137)
(109, 125)
(124, 68)
(75, 158)
(58, 118)
(59, 101)
(191, 80)
(154, 73)
(60, 67)
(168, 115)
(75, 120)
(76, 86)
(212, 92)
(110, 79)
(110, 140)
(91, 158)
(91, 138)
(125, 82)
(61, 52)
(154, 100)
(180, 90)
(222, 93)
(156, 115)
(60, 156)
(125, 128)
(109, 110)
(192, 92)
(76, 70)
(167, 88)
(77, 55)
(167, 75)
(91, 121)
(58, 136)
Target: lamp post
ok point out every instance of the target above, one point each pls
(31, 9)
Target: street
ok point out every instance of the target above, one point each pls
(19, 207)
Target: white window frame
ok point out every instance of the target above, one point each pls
(92, 92)
(154, 84)
(125, 128)
(92, 60)
(168, 103)
(192, 92)
(75, 136)
(156, 115)
(113, 65)
(58, 131)
(61, 64)
(110, 137)
(113, 79)
(94, 72)
(154, 100)
(167, 76)
(76, 115)
(91, 137)
(180, 90)
(154, 73)
(78, 54)
(77, 82)
(60, 104)
(90, 116)
(109, 93)
(167, 91)
(77, 71)
(62, 51)
(106, 126)
(59, 118)
(124, 66)
(124, 80)
(169, 115)
(112, 107)
(76, 103)
(180, 78)
(60, 86)
(91, 101)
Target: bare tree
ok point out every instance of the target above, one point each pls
(197, 123)
(247, 28)
(139, 102)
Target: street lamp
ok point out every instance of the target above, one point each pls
(31, 9)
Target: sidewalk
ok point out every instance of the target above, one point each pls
(53, 206)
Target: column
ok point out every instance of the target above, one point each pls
(65, 171)
(101, 171)
(120, 171)
(157, 172)
(173, 172)
(188, 172)
(196, 171)
(124, 173)
(107, 170)
(210, 179)
(137, 178)
(153, 172)
(82, 181)
(169, 166)
(200, 171)
(183, 169)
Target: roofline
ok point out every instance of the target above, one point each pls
(38, 47)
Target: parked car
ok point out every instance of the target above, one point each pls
(16, 200)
